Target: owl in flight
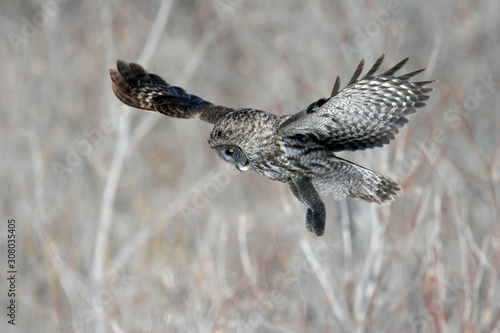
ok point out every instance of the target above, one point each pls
(297, 149)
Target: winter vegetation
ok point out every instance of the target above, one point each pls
(127, 221)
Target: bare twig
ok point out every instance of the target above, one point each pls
(346, 240)
(119, 157)
(243, 245)
(174, 208)
(338, 310)
(371, 271)
(156, 32)
(192, 63)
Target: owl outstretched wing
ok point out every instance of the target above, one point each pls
(367, 113)
(136, 87)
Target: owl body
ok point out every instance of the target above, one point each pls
(297, 149)
(268, 152)
(283, 158)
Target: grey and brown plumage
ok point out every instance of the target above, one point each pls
(297, 149)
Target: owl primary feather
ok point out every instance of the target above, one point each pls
(297, 149)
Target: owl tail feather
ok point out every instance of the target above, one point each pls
(376, 189)
(350, 179)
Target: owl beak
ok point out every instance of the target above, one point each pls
(243, 168)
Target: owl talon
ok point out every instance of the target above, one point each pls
(315, 221)
(309, 220)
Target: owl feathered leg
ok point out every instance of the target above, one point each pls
(304, 190)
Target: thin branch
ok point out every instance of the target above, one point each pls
(371, 272)
(119, 157)
(243, 245)
(221, 256)
(337, 308)
(156, 32)
(174, 208)
(189, 68)
(346, 240)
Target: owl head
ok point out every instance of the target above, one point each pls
(240, 138)
(227, 144)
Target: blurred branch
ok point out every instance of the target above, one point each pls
(243, 245)
(156, 32)
(141, 130)
(189, 68)
(66, 276)
(221, 256)
(369, 279)
(106, 213)
(171, 210)
(298, 77)
(346, 240)
(115, 327)
(433, 57)
(337, 308)
(119, 157)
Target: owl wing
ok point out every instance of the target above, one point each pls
(136, 87)
(367, 113)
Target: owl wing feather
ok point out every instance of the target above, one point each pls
(367, 113)
(136, 87)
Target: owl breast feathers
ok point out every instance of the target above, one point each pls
(297, 149)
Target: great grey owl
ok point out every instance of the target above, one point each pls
(297, 149)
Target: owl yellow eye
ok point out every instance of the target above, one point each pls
(230, 151)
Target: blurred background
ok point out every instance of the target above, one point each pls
(126, 221)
